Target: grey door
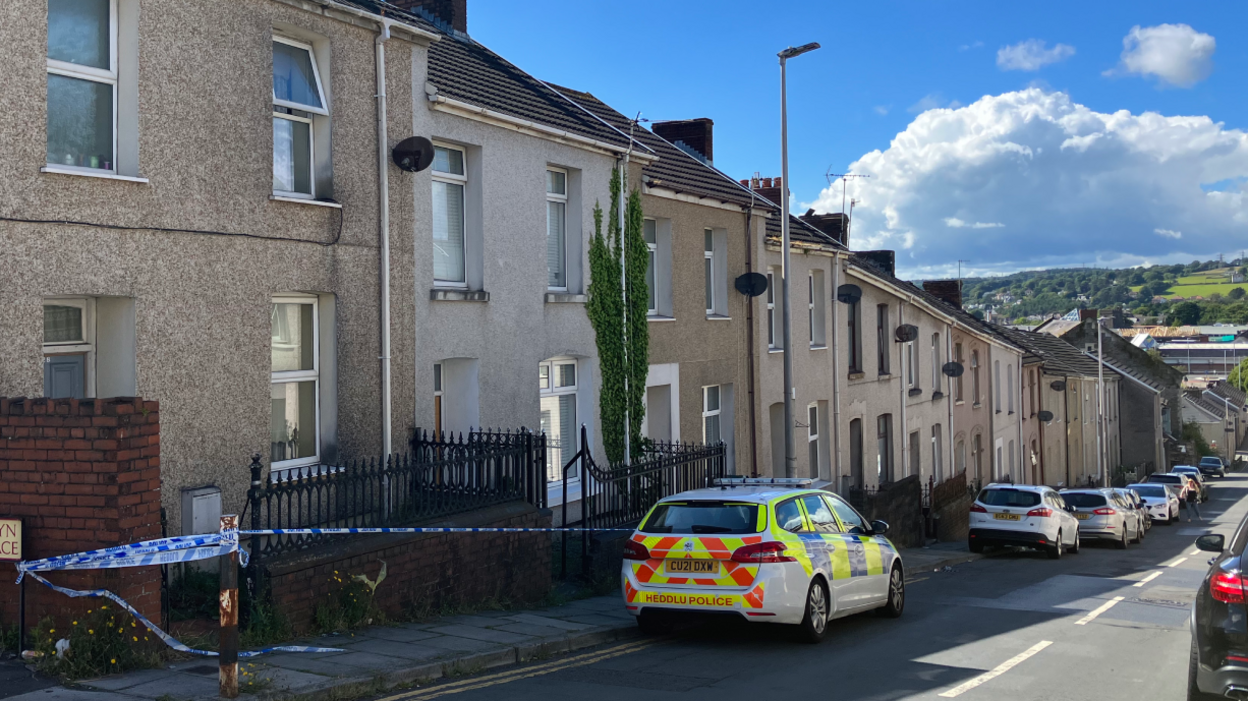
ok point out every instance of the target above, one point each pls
(64, 376)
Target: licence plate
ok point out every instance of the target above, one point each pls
(691, 566)
(1007, 517)
(1083, 517)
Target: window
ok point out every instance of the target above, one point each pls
(996, 385)
(820, 514)
(881, 338)
(437, 399)
(297, 96)
(997, 466)
(915, 455)
(649, 231)
(975, 395)
(556, 229)
(959, 457)
(67, 344)
(977, 454)
(708, 260)
(937, 454)
(817, 310)
(449, 180)
(855, 337)
(295, 383)
(957, 381)
(773, 334)
(936, 362)
(82, 84)
(812, 438)
(852, 520)
(710, 415)
(912, 370)
(789, 517)
(1031, 391)
(884, 448)
(1011, 462)
(558, 415)
(855, 453)
(1009, 386)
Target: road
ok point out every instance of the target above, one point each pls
(1105, 624)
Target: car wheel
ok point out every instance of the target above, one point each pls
(1074, 549)
(1122, 542)
(976, 547)
(651, 623)
(896, 595)
(1056, 551)
(1139, 534)
(1193, 691)
(814, 623)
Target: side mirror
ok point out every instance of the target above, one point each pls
(1212, 543)
(881, 528)
(1070, 508)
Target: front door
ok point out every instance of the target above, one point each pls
(64, 376)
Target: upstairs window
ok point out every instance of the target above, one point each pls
(936, 362)
(773, 319)
(651, 235)
(297, 98)
(449, 180)
(556, 229)
(82, 84)
(881, 338)
(855, 337)
(708, 267)
(957, 381)
(816, 310)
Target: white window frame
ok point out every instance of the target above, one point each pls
(462, 181)
(996, 390)
(810, 305)
(708, 268)
(937, 454)
(773, 339)
(552, 369)
(323, 111)
(652, 263)
(85, 347)
(439, 399)
(1009, 385)
(912, 371)
(563, 199)
(708, 412)
(936, 362)
(295, 376)
(94, 75)
(812, 434)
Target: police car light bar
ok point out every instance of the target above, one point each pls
(778, 481)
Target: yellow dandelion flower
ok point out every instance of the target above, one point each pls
(131, 624)
(75, 622)
(51, 631)
(113, 661)
(104, 607)
(90, 631)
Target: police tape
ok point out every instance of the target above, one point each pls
(162, 551)
(165, 637)
(345, 531)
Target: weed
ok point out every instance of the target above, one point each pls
(352, 604)
(105, 640)
(252, 680)
(265, 626)
(194, 594)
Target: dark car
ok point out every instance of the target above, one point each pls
(1213, 466)
(1218, 667)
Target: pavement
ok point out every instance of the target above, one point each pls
(380, 658)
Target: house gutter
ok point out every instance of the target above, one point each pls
(383, 205)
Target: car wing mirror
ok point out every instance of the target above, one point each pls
(1211, 543)
(879, 528)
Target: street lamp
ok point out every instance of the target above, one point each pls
(790, 442)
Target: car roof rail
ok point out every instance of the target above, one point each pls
(743, 481)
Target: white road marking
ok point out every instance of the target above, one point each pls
(1177, 562)
(1147, 579)
(996, 671)
(1194, 552)
(1098, 611)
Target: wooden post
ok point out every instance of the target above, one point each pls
(228, 636)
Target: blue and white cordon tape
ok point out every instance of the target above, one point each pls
(164, 551)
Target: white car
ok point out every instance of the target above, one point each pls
(1103, 514)
(1022, 514)
(768, 551)
(1160, 500)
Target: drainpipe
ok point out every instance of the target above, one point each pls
(1022, 468)
(383, 204)
(1066, 424)
(836, 374)
(749, 336)
(905, 391)
(949, 448)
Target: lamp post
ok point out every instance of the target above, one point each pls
(790, 441)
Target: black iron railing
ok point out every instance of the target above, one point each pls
(441, 475)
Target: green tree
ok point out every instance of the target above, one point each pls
(1185, 314)
(1239, 376)
(1236, 293)
(618, 257)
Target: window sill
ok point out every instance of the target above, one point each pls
(885, 376)
(857, 375)
(718, 317)
(103, 174)
(959, 402)
(915, 392)
(977, 405)
(301, 200)
(818, 347)
(452, 294)
(565, 298)
(937, 395)
(775, 350)
(657, 317)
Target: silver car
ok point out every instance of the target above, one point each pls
(1161, 500)
(1132, 500)
(1104, 515)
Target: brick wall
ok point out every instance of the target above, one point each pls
(82, 474)
(423, 572)
(900, 504)
(951, 509)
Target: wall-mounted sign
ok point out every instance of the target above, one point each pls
(10, 539)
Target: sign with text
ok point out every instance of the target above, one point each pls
(10, 539)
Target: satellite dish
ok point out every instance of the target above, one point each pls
(1058, 385)
(906, 333)
(848, 294)
(953, 369)
(413, 154)
(751, 284)
(1045, 416)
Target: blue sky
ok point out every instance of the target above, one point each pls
(1039, 173)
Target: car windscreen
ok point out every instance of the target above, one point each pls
(702, 517)
(1170, 479)
(1216, 462)
(1158, 492)
(1083, 500)
(1188, 470)
(1008, 497)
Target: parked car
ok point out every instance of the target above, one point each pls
(1212, 466)
(1178, 482)
(1194, 473)
(1137, 507)
(1104, 515)
(1160, 500)
(1217, 667)
(1017, 514)
(768, 551)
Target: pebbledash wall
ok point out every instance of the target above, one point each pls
(81, 474)
(423, 572)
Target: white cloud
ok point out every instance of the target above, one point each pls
(955, 223)
(1031, 55)
(1169, 233)
(973, 45)
(933, 101)
(882, 110)
(1177, 54)
(1034, 179)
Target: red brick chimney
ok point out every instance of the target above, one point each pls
(834, 225)
(693, 136)
(766, 187)
(949, 291)
(452, 13)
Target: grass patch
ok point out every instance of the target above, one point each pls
(1203, 289)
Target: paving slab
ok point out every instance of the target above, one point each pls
(406, 651)
(548, 621)
(178, 686)
(401, 635)
(117, 682)
(488, 635)
(60, 693)
(466, 620)
(451, 642)
(534, 631)
(597, 619)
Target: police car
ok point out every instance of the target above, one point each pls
(767, 550)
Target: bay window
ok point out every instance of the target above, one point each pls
(298, 98)
(449, 180)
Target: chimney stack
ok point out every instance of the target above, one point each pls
(693, 136)
(1085, 314)
(884, 260)
(834, 225)
(768, 188)
(452, 14)
(949, 291)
